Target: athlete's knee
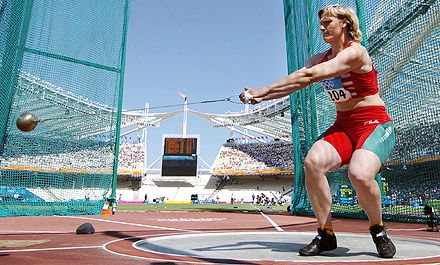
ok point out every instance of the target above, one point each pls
(321, 159)
(363, 167)
(360, 177)
(313, 164)
(357, 178)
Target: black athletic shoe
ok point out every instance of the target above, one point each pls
(384, 246)
(322, 242)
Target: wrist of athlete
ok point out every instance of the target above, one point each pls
(261, 92)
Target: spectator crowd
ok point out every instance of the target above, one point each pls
(131, 156)
(250, 157)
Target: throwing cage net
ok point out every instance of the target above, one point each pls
(402, 37)
(62, 62)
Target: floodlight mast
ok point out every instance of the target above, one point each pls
(145, 164)
(185, 113)
(246, 110)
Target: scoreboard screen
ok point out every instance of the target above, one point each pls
(179, 157)
(180, 146)
(346, 192)
(345, 195)
(179, 166)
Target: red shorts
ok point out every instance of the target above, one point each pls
(352, 128)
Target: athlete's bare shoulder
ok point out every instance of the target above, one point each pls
(359, 52)
(315, 59)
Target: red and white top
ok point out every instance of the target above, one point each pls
(350, 85)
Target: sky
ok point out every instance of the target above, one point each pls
(209, 50)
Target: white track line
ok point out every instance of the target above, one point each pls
(105, 247)
(272, 222)
(132, 224)
(406, 229)
(31, 232)
(46, 249)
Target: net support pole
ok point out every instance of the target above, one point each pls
(296, 26)
(360, 9)
(16, 36)
(112, 198)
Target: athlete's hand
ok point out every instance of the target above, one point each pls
(248, 96)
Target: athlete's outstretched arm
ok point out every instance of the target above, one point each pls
(347, 60)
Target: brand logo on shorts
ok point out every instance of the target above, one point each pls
(388, 132)
(371, 122)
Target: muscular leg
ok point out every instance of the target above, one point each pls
(321, 158)
(364, 166)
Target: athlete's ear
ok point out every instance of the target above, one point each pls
(345, 23)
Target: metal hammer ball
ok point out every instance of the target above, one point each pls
(27, 122)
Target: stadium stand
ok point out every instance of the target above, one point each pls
(265, 170)
(254, 158)
(131, 158)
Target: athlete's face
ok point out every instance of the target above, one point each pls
(331, 28)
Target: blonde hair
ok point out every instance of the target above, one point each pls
(342, 12)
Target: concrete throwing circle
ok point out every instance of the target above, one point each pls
(281, 246)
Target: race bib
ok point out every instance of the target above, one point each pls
(335, 89)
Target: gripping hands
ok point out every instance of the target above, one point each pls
(248, 96)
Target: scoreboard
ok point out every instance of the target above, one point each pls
(179, 156)
(180, 146)
(345, 195)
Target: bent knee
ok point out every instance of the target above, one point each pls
(311, 163)
(360, 177)
(363, 167)
(315, 164)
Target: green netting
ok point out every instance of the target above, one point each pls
(403, 40)
(62, 61)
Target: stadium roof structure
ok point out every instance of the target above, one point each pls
(63, 112)
(272, 120)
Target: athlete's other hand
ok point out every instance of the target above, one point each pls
(248, 96)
